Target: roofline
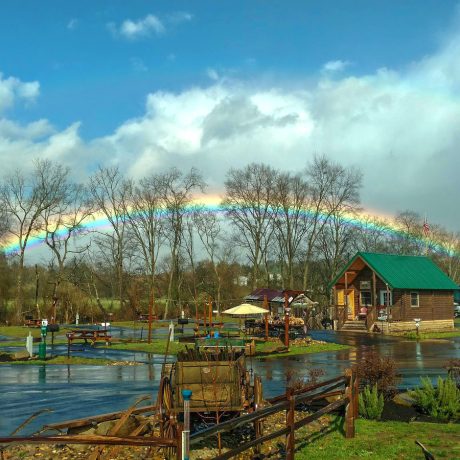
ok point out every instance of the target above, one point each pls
(359, 254)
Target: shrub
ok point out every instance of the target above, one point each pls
(374, 369)
(370, 403)
(442, 402)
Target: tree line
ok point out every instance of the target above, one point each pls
(158, 246)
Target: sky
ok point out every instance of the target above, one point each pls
(152, 84)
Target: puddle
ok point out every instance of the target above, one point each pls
(80, 391)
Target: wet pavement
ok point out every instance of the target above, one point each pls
(79, 391)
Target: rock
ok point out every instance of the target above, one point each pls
(404, 399)
(88, 429)
(128, 427)
(21, 355)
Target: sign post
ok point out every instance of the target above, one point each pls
(186, 395)
(42, 345)
(417, 325)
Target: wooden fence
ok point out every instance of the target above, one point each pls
(347, 399)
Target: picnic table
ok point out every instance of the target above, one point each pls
(88, 336)
(30, 322)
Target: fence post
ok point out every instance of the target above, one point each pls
(349, 406)
(258, 429)
(356, 392)
(179, 442)
(290, 437)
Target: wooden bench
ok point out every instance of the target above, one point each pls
(88, 335)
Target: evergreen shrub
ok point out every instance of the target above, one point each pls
(370, 403)
(441, 402)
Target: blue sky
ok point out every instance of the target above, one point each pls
(215, 84)
(87, 73)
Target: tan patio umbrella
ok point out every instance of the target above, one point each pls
(246, 309)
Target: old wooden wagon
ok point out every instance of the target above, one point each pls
(221, 387)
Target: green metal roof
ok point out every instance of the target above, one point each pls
(404, 272)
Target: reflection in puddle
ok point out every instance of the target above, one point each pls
(81, 391)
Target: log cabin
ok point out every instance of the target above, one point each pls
(398, 293)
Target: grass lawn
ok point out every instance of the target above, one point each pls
(267, 347)
(386, 441)
(158, 346)
(432, 335)
(23, 331)
(62, 360)
(22, 343)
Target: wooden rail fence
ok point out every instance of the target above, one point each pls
(288, 403)
(348, 399)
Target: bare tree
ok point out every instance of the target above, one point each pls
(209, 230)
(342, 204)
(410, 240)
(109, 193)
(145, 218)
(62, 224)
(334, 192)
(291, 198)
(249, 206)
(372, 235)
(177, 191)
(25, 198)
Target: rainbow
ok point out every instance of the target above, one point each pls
(364, 221)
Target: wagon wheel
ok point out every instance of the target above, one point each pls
(168, 425)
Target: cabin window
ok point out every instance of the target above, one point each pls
(366, 298)
(414, 299)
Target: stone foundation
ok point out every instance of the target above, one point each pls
(408, 326)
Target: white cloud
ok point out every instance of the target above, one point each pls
(12, 88)
(212, 74)
(399, 127)
(148, 26)
(335, 66)
(142, 28)
(72, 24)
(179, 17)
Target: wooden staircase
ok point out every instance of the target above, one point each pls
(354, 325)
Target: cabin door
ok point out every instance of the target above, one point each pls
(351, 304)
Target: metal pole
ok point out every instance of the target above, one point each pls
(149, 336)
(186, 395)
(286, 321)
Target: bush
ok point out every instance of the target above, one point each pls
(370, 403)
(442, 402)
(374, 369)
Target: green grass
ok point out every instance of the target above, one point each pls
(268, 347)
(62, 360)
(158, 346)
(139, 325)
(431, 335)
(23, 331)
(385, 441)
(22, 343)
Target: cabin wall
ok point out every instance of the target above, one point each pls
(433, 305)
